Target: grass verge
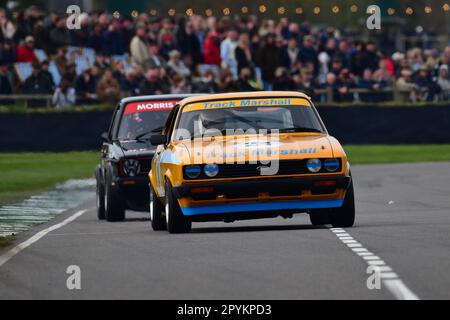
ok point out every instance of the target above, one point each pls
(372, 154)
(24, 174)
(5, 241)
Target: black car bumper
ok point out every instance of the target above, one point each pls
(275, 187)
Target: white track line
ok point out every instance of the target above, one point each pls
(389, 278)
(11, 253)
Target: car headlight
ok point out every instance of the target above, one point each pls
(331, 165)
(192, 172)
(314, 165)
(131, 167)
(211, 170)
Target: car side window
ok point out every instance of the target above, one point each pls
(114, 122)
(171, 121)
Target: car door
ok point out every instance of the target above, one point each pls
(157, 165)
(106, 150)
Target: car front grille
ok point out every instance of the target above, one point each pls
(251, 170)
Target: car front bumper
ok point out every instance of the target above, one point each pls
(265, 196)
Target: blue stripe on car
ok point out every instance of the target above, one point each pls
(262, 206)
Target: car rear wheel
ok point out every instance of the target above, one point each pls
(175, 220)
(344, 217)
(100, 201)
(156, 212)
(114, 205)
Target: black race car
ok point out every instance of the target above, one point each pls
(126, 154)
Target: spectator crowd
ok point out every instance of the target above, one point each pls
(208, 55)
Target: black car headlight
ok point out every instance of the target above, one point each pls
(332, 165)
(211, 170)
(131, 167)
(193, 171)
(314, 165)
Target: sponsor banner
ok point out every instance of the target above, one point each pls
(148, 106)
(271, 102)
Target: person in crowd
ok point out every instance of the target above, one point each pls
(59, 35)
(36, 83)
(336, 66)
(369, 57)
(269, 59)
(227, 82)
(405, 87)
(7, 52)
(243, 53)
(80, 37)
(246, 82)
(189, 43)
(308, 53)
(140, 49)
(282, 80)
(108, 88)
(346, 83)
(426, 87)
(151, 84)
(207, 83)
(157, 60)
(45, 72)
(61, 60)
(130, 84)
(64, 95)
(101, 63)
(443, 82)
(227, 51)
(176, 65)
(6, 84)
(25, 51)
(119, 70)
(180, 85)
(167, 45)
(211, 48)
(113, 40)
(85, 85)
(374, 86)
(95, 39)
(291, 54)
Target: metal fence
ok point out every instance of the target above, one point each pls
(325, 95)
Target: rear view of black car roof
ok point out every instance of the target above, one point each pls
(158, 97)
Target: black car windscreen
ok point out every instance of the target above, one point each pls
(142, 118)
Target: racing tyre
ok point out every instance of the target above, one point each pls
(175, 220)
(320, 217)
(344, 217)
(114, 205)
(100, 201)
(156, 212)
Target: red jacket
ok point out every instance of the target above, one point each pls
(25, 54)
(211, 51)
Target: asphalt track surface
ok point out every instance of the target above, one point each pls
(403, 220)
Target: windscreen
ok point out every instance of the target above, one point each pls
(222, 116)
(141, 119)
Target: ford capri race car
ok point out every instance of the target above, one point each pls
(126, 154)
(241, 156)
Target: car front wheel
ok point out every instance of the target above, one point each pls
(344, 217)
(175, 220)
(100, 201)
(114, 205)
(156, 212)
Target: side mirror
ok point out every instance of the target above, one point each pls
(105, 137)
(158, 139)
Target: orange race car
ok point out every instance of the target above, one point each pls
(247, 156)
